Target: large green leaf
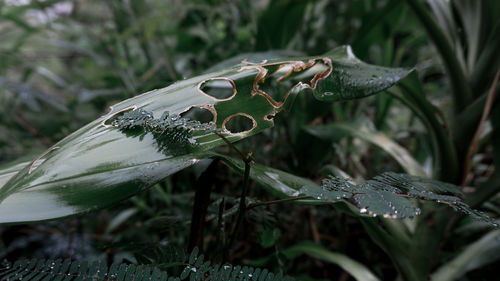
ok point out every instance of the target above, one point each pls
(100, 164)
(8, 172)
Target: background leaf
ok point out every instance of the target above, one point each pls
(354, 268)
(475, 255)
(335, 131)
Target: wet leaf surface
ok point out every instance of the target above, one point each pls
(391, 195)
(99, 164)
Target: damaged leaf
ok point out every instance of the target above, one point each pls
(101, 164)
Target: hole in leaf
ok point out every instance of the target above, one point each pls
(109, 121)
(322, 68)
(273, 76)
(275, 89)
(239, 123)
(199, 114)
(219, 88)
(301, 71)
(269, 117)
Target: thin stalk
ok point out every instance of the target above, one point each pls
(241, 209)
(220, 235)
(248, 159)
(473, 146)
(201, 201)
(461, 91)
(468, 120)
(253, 205)
(26, 124)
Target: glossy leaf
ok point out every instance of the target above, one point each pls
(100, 164)
(279, 183)
(8, 172)
(285, 185)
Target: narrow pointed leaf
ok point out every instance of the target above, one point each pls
(354, 268)
(8, 172)
(480, 253)
(122, 153)
(359, 130)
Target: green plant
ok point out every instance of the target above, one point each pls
(136, 162)
(425, 124)
(195, 268)
(180, 141)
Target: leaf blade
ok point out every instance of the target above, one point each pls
(99, 165)
(354, 268)
(359, 130)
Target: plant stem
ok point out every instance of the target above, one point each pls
(246, 158)
(473, 146)
(200, 206)
(468, 120)
(461, 91)
(219, 237)
(242, 207)
(253, 205)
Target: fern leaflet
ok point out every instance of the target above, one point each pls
(198, 269)
(390, 194)
(173, 133)
(59, 270)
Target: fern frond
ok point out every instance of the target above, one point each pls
(57, 270)
(173, 133)
(198, 269)
(390, 194)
